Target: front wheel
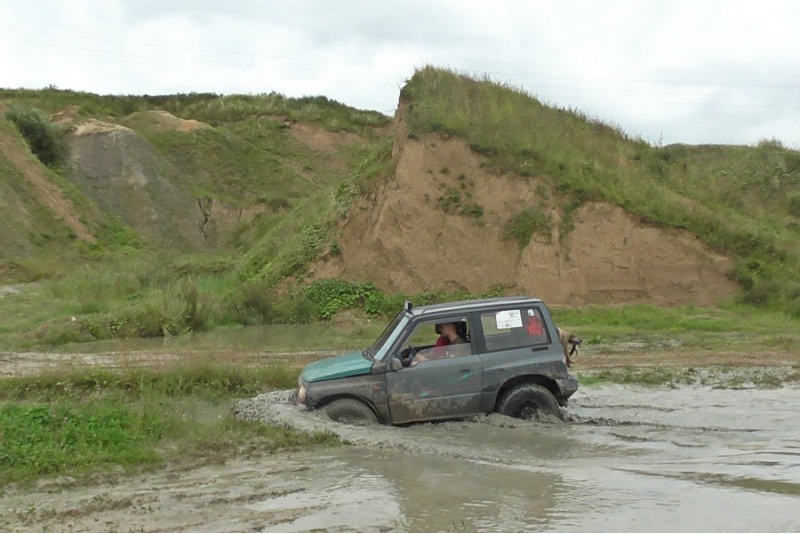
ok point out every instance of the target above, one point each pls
(530, 401)
(351, 411)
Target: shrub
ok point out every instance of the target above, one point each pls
(471, 210)
(295, 309)
(254, 304)
(794, 204)
(43, 137)
(524, 224)
(333, 296)
(450, 201)
(196, 314)
(762, 292)
(794, 308)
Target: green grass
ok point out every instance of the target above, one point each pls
(209, 380)
(206, 107)
(80, 423)
(733, 327)
(645, 317)
(522, 226)
(178, 295)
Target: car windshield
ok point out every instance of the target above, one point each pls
(372, 351)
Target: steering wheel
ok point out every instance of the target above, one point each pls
(409, 357)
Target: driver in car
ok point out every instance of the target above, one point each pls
(449, 336)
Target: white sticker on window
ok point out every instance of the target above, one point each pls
(508, 319)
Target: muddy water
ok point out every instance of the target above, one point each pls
(630, 459)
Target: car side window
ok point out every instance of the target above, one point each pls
(513, 328)
(439, 338)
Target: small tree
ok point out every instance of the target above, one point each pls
(43, 137)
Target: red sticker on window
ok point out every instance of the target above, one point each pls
(534, 327)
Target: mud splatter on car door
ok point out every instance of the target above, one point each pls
(450, 387)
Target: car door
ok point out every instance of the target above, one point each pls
(447, 385)
(514, 341)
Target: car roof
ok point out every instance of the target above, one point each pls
(470, 305)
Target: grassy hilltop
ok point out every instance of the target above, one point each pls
(742, 201)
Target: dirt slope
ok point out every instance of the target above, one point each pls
(406, 237)
(127, 177)
(14, 150)
(438, 223)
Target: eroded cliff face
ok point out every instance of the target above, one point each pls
(125, 176)
(440, 223)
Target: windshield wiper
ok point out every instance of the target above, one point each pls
(366, 354)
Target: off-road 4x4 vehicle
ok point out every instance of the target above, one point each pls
(506, 358)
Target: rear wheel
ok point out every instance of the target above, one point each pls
(530, 401)
(351, 411)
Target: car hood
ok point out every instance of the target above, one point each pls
(351, 364)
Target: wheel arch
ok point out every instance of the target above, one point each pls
(329, 399)
(547, 383)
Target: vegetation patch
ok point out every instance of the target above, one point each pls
(522, 226)
(43, 137)
(458, 199)
(333, 296)
(81, 423)
(794, 204)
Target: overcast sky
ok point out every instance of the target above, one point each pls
(672, 71)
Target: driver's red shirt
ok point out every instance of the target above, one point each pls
(442, 341)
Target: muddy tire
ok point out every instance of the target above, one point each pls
(530, 401)
(351, 411)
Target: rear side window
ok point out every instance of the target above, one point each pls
(513, 328)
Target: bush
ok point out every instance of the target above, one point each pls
(524, 224)
(43, 137)
(762, 292)
(295, 309)
(794, 308)
(196, 313)
(794, 204)
(333, 296)
(254, 304)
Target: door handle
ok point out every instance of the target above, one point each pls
(465, 370)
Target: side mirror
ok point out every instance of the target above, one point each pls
(395, 364)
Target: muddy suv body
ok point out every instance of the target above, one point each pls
(512, 362)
